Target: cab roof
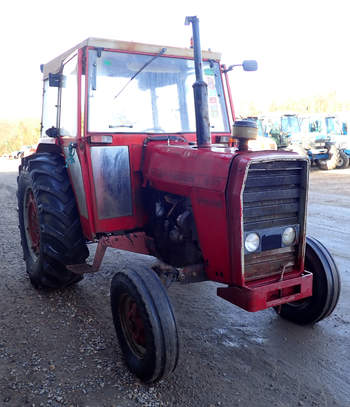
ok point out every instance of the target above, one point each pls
(54, 65)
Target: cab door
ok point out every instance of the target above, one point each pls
(69, 123)
(113, 159)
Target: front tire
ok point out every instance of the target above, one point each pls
(333, 160)
(325, 287)
(49, 223)
(343, 160)
(144, 323)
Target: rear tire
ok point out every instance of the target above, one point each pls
(343, 160)
(145, 323)
(325, 287)
(332, 162)
(49, 222)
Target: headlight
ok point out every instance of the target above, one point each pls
(288, 236)
(252, 242)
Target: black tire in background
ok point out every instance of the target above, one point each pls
(145, 323)
(325, 288)
(332, 162)
(49, 222)
(343, 160)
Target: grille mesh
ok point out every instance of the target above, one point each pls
(274, 195)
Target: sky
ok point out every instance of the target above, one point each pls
(301, 46)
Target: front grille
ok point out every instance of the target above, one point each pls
(274, 196)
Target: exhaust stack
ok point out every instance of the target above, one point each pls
(200, 89)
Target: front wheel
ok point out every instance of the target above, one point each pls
(325, 287)
(144, 323)
(343, 160)
(332, 161)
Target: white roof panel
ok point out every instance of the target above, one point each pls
(55, 65)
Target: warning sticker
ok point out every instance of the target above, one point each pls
(209, 71)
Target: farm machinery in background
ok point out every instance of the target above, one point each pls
(325, 144)
(263, 140)
(337, 129)
(319, 137)
(128, 159)
(285, 130)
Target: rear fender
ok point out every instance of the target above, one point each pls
(48, 145)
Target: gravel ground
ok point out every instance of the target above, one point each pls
(60, 349)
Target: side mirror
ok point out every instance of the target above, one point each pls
(55, 80)
(250, 65)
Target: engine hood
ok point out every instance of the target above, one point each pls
(178, 168)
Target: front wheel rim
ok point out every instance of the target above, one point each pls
(132, 325)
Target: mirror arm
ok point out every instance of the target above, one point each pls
(230, 68)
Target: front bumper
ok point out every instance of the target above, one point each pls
(256, 298)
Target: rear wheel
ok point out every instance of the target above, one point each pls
(325, 288)
(145, 323)
(332, 161)
(49, 222)
(343, 160)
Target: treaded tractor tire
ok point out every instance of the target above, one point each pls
(325, 287)
(343, 160)
(49, 222)
(145, 323)
(333, 160)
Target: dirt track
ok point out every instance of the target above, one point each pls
(60, 348)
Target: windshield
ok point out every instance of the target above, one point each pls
(333, 126)
(290, 124)
(316, 126)
(123, 97)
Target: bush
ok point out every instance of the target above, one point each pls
(15, 134)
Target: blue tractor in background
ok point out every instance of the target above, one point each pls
(328, 147)
(337, 129)
(324, 139)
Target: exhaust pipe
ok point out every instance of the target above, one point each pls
(200, 89)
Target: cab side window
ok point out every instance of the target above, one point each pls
(69, 99)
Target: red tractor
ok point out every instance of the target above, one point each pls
(127, 159)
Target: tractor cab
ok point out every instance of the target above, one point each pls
(285, 130)
(290, 129)
(113, 97)
(130, 88)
